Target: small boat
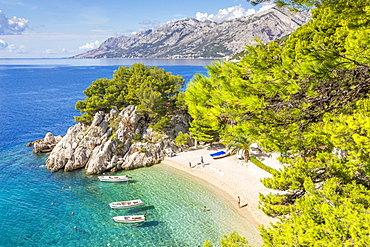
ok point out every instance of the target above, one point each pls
(113, 178)
(125, 204)
(219, 155)
(130, 218)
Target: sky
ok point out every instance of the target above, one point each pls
(63, 28)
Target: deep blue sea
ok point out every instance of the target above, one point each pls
(38, 96)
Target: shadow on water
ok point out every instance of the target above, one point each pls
(132, 181)
(148, 224)
(141, 209)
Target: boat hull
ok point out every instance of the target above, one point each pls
(113, 179)
(219, 155)
(125, 204)
(130, 218)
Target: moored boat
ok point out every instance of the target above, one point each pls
(219, 154)
(125, 204)
(113, 178)
(130, 218)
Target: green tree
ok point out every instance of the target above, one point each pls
(182, 139)
(198, 96)
(334, 215)
(240, 143)
(305, 99)
(151, 89)
(232, 240)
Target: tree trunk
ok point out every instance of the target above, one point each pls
(246, 155)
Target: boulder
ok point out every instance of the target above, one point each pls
(108, 144)
(46, 144)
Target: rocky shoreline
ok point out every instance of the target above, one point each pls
(45, 145)
(115, 141)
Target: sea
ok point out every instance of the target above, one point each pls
(41, 208)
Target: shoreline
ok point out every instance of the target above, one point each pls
(231, 177)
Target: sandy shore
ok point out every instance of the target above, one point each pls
(232, 176)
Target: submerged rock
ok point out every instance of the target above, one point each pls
(108, 144)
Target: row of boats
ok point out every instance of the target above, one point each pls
(124, 204)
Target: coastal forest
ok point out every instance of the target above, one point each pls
(305, 97)
(155, 92)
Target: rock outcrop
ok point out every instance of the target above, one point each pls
(191, 38)
(46, 144)
(114, 141)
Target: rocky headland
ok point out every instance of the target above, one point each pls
(119, 140)
(45, 145)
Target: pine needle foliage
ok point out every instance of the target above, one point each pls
(309, 100)
(151, 89)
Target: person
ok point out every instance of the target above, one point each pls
(201, 160)
(189, 164)
(238, 201)
(205, 208)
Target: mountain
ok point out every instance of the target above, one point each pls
(190, 38)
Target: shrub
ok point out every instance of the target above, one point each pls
(263, 166)
(137, 138)
(182, 139)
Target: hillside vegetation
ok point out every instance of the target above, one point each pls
(154, 91)
(307, 98)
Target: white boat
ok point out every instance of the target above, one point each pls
(125, 204)
(130, 218)
(113, 178)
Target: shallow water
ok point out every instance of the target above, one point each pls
(36, 211)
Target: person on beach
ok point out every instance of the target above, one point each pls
(238, 201)
(202, 161)
(189, 164)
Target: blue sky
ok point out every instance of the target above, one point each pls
(62, 28)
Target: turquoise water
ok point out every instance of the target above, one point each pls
(36, 211)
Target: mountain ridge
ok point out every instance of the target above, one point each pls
(191, 38)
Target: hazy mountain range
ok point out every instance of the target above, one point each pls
(190, 38)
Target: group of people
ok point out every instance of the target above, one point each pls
(200, 163)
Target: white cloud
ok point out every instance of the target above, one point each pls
(266, 6)
(49, 51)
(231, 13)
(3, 44)
(12, 25)
(90, 46)
(225, 14)
(148, 24)
(54, 52)
(17, 49)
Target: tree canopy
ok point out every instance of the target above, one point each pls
(307, 98)
(151, 89)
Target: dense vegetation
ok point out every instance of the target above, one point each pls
(154, 91)
(307, 98)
